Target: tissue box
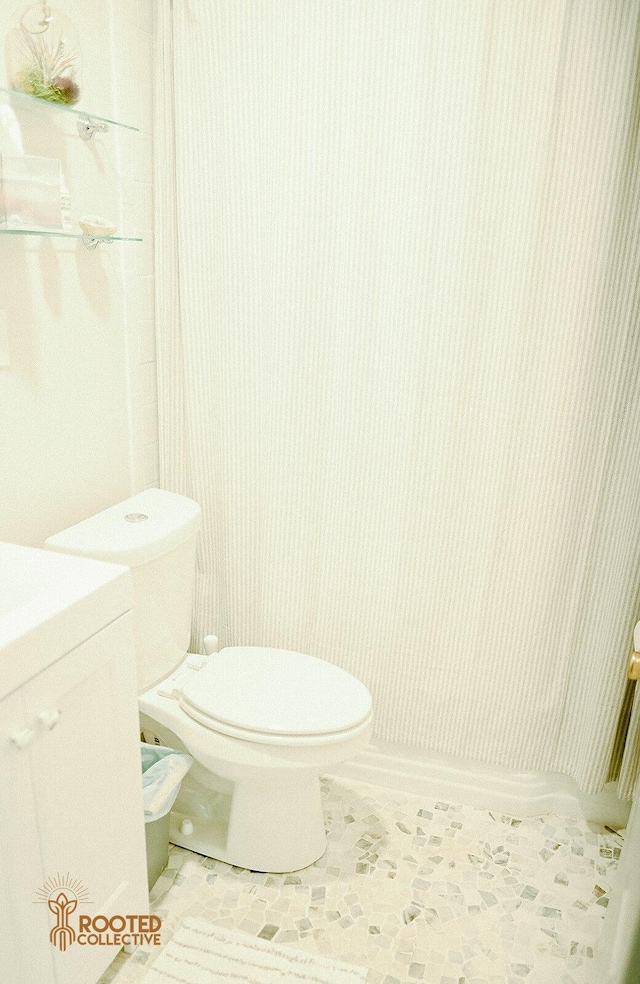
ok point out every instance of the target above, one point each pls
(30, 193)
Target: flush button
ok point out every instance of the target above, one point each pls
(136, 517)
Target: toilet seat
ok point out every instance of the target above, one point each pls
(270, 738)
(276, 696)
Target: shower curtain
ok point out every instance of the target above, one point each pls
(397, 301)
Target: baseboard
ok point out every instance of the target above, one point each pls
(519, 794)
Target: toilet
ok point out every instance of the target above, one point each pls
(261, 724)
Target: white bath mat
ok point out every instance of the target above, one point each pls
(201, 953)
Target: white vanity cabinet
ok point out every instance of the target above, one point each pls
(71, 799)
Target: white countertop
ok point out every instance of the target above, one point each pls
(49, 604)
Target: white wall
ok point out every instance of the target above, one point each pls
(78, 401)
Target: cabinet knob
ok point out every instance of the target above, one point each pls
(49, 719)
(22, 738)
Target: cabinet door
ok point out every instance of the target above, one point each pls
(25, 951)
(85, 764)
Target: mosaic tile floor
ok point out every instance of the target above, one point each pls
(415, 891)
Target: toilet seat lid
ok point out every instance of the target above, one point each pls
(277, 692)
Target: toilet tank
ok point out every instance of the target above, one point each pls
(153, 533)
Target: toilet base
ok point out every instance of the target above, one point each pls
(266, 826)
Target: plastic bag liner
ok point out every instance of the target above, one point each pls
(163, 769)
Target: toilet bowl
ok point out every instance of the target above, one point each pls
(261, 724)
(295, 717)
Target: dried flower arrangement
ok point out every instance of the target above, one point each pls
(43, 56)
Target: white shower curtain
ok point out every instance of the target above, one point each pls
(398, 352)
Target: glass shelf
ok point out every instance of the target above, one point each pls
(89, 241)
(66, 109)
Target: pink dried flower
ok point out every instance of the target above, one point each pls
(69, 91)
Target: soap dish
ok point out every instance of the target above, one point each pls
(94, 225)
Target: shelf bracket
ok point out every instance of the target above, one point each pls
(90, 242)
(88, 126)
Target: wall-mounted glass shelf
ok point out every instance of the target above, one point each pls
(83, 114)
(89, 241)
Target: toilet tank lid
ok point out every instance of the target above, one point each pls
(134, 531)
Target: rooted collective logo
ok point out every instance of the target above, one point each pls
(63, 894)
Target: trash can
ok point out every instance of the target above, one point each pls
(163, 769)
(156, 838)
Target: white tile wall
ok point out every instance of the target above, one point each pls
(133, 77)
(78, 397)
